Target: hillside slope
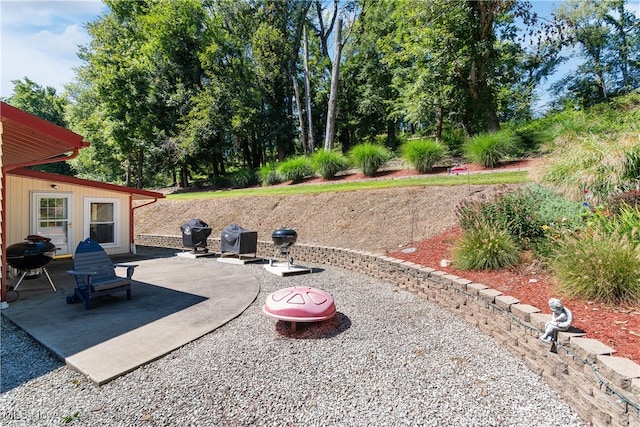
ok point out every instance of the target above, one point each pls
(378, 221)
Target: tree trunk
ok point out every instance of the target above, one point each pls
(184, 176)
(482, 96)
(391, 134)
(303, 138)
(333, 94)
(307, 91)
(439, 121)
(127, 177)
(140, 181)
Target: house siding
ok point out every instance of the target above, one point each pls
(19, 192)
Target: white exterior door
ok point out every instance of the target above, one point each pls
(51, 214)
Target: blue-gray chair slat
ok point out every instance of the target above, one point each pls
(95, 274)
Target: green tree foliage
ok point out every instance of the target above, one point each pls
(41, 101)
(461, 62)
(184, 90)
(367, 104)
(607, 36)
(45, 103)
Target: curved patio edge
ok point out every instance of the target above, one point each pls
(220, 304)
(602, 388)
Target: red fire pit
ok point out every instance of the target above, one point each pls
(300, 304)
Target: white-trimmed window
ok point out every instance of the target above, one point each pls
(101, 220)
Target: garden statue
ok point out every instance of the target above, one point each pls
(561, 319)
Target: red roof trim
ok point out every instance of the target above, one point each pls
(9, 112)
(30, 173)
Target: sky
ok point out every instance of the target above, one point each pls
(39, 39)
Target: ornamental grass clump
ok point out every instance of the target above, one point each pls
(295, 169)
(489, 149)
(601, 165)
(243, 178)
(485, 248)
(598, 266)
(422, 154)
(524, 213)
(329, 163)
(369, 158)
(269, 175)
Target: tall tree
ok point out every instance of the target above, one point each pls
(368, 99)
(45, 103)
(41, 101)
(589, 30)
(330, 132)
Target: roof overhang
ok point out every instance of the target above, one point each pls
(28, 139)
(136, 194)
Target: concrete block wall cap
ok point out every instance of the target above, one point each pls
(526, 308)
(621, 365)
(410, 264)
(538, 320)
(427, 269)
(438, 273)
(568, 335)
(451, 277)
(592, 346)
(635, 386)
(505, 301)
(474, 288)
(462, 281)
(489, 294)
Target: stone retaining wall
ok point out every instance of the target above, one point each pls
(602, 388)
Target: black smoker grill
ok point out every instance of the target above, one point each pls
(283, 240)
(30, 257)
(238, 240)
(194, 235)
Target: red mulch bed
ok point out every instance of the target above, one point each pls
(617, 327)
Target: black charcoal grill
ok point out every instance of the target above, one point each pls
(30, 258)
(283, 240)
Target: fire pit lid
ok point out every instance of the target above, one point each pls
(300, 304)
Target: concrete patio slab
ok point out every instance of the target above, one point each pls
(175, 301)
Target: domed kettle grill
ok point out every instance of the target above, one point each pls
(283, 240)
(30, 257)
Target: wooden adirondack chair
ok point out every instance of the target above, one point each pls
(95, 274)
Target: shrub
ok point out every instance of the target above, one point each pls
(599, 266)
(489, 149)
(535, 134)
(527, 214)
(269, 175)
(485, 248)
(626, 222)
(601, 164)
(242, 178)
(422, 154)
(627, 198)
(329, 163)
(453, 138)
(369, 157)
(295, 169)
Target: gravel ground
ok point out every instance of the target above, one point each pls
(388, 358)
